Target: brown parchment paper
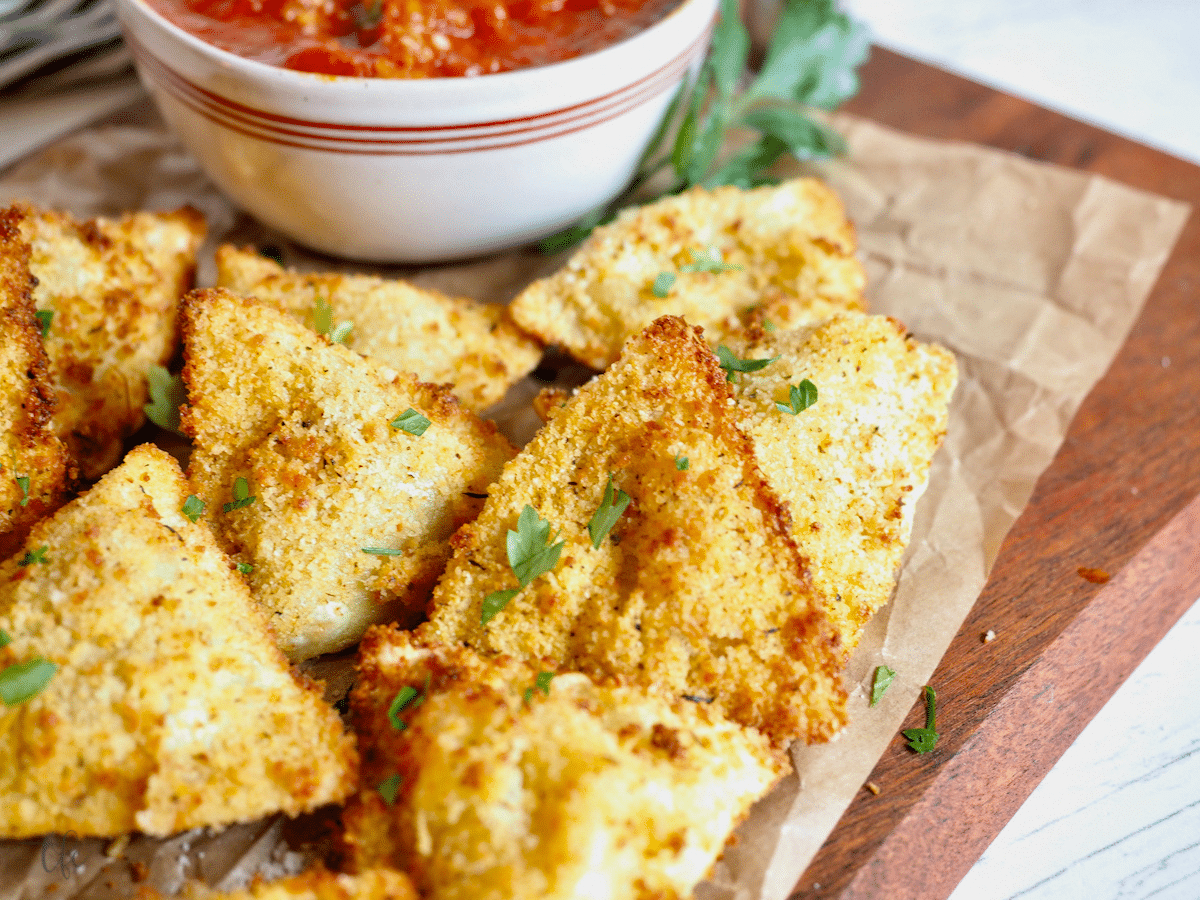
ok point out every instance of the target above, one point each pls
(1030, 273)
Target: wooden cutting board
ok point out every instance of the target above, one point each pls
(1121, 497)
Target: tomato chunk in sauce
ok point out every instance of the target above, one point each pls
(412, 38)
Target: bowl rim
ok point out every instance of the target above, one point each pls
(512, 80)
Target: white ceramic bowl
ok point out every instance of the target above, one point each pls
(398, 170)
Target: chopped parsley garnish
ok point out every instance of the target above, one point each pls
(5, 640)
(411, 421)
(382, 551)
(23, 484)
(883, 678)
(606, 516)
(34, 556)
(403, 698)
(681, 463)
(663, 282)
(193, 507)
(167, 394)
(530, 553)
(389, 788)
(541, 683)
(21, 681)
(241, 495)
(800, 398)
(811, 62)
(323, 322)
(45, 316)
(924, 739)
(708, 261)
(732, 365)
(245, 568)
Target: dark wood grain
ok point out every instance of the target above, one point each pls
(1122, 496)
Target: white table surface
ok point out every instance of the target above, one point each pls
(1119, 815)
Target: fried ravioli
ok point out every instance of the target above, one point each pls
(718, 258)
(171, 707)
(316, 884)
(490, 780)
(35, 469)
(852, 466)
(697, 591)
(113, 288)
(359, 474)
(472, 346)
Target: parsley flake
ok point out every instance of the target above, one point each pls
(245, 568)
(34, 556)
(5, 640)
(23, 484)
(45, 317)
(681, 463)
(883, 678)
(606, 516)
(323, 322)
(21, 681)
(530, 552)
(193, 507)
(542, 682)
(241, 495)
(663, 282)
(924, 739)
(383, 551)
(403, 698)
(708, 261)
(732, 365)
(167, 394)
(389, 788)
(411, 421)
(799, 398)
(494, 602)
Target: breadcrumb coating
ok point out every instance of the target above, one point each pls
(506, 786)
(698, 590)
(316, 884)
(851, 467)
(306, 423)
(113, 286)
(785, 252)
(473, 347)
(171, 707)
(35, 468)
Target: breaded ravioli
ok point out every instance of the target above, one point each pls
(852, 466)
(359, 474)
(316, 884)
(695, 591)
(168, 705)
(35, 470)
(472, 346)
(490, 779)
(718, 258)
(112, 289)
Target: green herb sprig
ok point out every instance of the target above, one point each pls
(23, 484)
(530, 553)
(241, 495)
(45, 317)
(193, 507)
(610, 509)
(541, 682)
(323, 322)
(410, 421)
(22, 681)
(389, 788)
(34, 556)
(800, 398)
(811, 63)
(924, 739)
(883, 678)
(167, 394)
(730, 362)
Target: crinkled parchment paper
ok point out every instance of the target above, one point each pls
(1031, 274)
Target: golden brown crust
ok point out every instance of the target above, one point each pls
(507, 788)
(474, 347)
(852, 467)
(306, 423)
(785, 253)
(28, 446)
(698, 590)
(113, 286)
(316, 884)
(171, 707)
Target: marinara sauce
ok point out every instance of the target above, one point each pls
(412, 38)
